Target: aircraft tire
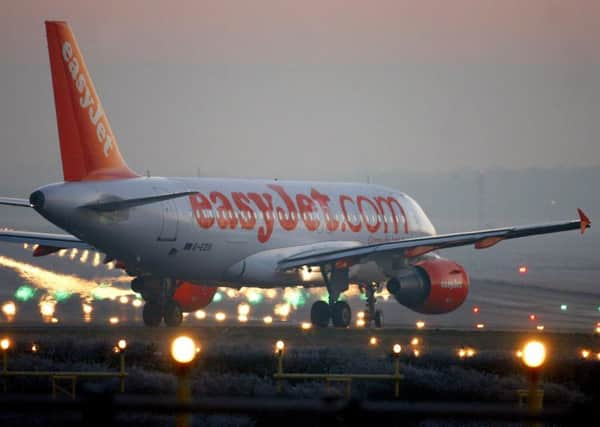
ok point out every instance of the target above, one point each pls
(152, 314)
(173, 314)
(378, 319)
(137, 285)
(320, 314)
(341, 315)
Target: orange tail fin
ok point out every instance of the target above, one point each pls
(88, 147)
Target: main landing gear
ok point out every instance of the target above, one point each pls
(337, 311)
(158, 294)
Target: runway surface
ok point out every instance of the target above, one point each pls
(503, 299)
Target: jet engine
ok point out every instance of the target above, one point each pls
(431, 286)
(192, 297)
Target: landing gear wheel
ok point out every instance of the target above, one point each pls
(320, 314)
(152, 314)
(173, 314)
(378, 319)
(341, 314)
(137, 285)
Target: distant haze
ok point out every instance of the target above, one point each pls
(419, 95)
(315, 89)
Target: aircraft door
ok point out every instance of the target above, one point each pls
(170, 218)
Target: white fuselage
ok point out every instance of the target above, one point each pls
(233, 231)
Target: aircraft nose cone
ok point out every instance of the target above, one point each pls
(37, 200)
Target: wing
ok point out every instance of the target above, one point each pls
(48, 240)
(120, 204)
(107, 205)
(415, 247)
(11, 201)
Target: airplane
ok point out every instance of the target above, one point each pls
(181, 238)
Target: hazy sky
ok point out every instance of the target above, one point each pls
(313, 88)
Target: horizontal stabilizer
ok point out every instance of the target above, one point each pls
(116, 205)
(62, 241)
(11, 201)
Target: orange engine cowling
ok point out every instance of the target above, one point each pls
(431, 286)
(192, 297)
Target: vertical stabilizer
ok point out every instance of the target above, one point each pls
(88, 147)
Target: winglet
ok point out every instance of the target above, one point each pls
(584, 221)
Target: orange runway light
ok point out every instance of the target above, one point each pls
(243, 309)
(9, 309)
(5, 343)
(475, 310)
(466, 352)
(184, 350)
(523, 269)
(532, 317)
(534, 354)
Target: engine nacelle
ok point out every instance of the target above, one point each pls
(192, 297)
(431, 286)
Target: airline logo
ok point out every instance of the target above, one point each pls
(263, 210)
(87, 101)
(451, 284)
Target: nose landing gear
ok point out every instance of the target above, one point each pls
(158, 294)
(371, 314)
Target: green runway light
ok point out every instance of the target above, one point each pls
(102, 291)
(563, 307)
(25, 293)
(97, 294)
(254, 297)
(61, 296)
(363, 297)
(218, 297)
(295, 298)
